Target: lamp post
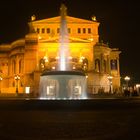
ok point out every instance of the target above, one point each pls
(0, 83)
(110, 83)
(17, 78)
(127, 79)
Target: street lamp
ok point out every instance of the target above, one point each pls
(17, 78)
(0, 83)
(127, 79)
(110, 83)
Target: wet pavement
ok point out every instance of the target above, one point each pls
(96, 119)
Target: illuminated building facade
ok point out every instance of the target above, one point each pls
(38, 51)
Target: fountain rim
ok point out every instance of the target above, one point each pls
(80, 73)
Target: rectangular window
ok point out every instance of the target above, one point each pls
(48, 30)
(113, 64)
(69, 30)
(58, 30)
(89, 30)
(79, 30)
(38, 30)
(84, 30)
(43, 30)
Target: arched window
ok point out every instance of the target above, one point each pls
(21, 66)
(97, 65)
(13, 84)
(104, 65)
(14, 67)
(113, 64)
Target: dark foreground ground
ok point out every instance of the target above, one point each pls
(102, 119)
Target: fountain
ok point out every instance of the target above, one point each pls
(63, 83)
(64, 40)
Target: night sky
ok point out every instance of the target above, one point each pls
(119, 24)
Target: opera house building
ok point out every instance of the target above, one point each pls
(23, 61)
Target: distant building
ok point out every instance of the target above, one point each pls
(38, 51)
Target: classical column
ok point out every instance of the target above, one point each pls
(10, 66)
(118, 66)
(108, 64)
(102, 63)
(17, 65)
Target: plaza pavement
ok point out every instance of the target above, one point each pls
(94, 119)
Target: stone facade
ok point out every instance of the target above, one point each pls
(38, 51)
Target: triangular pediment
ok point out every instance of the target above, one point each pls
(68, 18)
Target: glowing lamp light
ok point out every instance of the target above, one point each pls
(137, 85)
(90, 39)
(127, 78)
(53, 68)
(27, 90)
(57, 57)
(110, 83)
(110, 77)
(1, 79)
(43, 98)
(73, 67)
(17, 77)
(42, 66)
(0, 83)
(81, 58)
(46, 59)
(39, 37)
(70, 57)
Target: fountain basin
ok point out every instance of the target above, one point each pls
(62, 85)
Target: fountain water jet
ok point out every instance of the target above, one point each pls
(64, 40)
(63, 84)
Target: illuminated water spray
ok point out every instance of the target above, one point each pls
(64, 83)
(64, 41)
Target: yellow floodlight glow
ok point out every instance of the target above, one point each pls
(53, 68)
(81, 58)
(57, 57)
(46, 59)
(90, 39)
(110, 77)
(127, 78)
(137, 85)
(39, 37)
(0, 78)
(73, 67)
(70, 57)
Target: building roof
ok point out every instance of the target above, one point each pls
(68, 18)
(17, 43)
(5, 47)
